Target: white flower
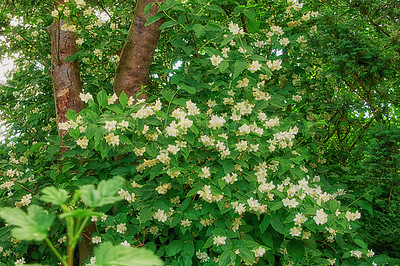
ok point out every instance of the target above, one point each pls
(370, 253)
(219, 240)
(85, 97)
(110, 125)
(295, 231)
(321, 217)
(254, 66)
(83, 142)
(54, 13)
(160, 216)
(96, 239)
(274, 65)
(216, 122)
(125, 244)
(356, 253)
(112, 99)
(259, 252)
(112, 139)
(216, 60)
(121, 228)
(234, 28)
(296, 98)
(205, 172)
(186, 223)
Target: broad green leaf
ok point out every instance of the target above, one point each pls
(71, 115)
(37, 146)
(174, 248)
(168, 24)
(145, 214)
(147, 8)
(33, 225)
(123, 99)
(109, 255)
(265, 223)
(296, 249)
(102, 98)
(54, 195)
(277, 223)
(240, 65)
(104, 194)
(67, 166)
(154, 18)
(228, 165)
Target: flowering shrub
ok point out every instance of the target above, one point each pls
(216, 160)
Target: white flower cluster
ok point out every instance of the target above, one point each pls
(126, 196)
(206, 195)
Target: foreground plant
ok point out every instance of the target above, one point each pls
(34, 224)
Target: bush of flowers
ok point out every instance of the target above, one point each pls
(215, 161)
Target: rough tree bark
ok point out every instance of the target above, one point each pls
(137, 53)
(65, 75)
(66, 85)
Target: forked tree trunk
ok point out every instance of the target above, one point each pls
(65, 75)
(137, 53)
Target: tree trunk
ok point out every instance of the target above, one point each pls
(65, 75)
(138, 51)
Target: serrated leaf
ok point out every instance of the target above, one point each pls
(104, 194)
(110, 255)
(54, 195)
(33, 225)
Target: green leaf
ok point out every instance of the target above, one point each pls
(147, 8)
(223, 66)
(104, 194)
(168, 24)
(37, 146)
(240, 65)
(296, 249)
(277, 223)
(67, 166)
(365, 205)
(71, 115)
(228, 165)
(265, 223)
(225, 257)
(145, 214)
(123, 99)
(109, 255)
(31, 226)
(54, 195)
(102, 98)
(198, 30)
(154, 18)
(167, 94)
(174, 248)
(80, 213)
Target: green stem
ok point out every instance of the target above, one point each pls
(58, 255)
(80, 230)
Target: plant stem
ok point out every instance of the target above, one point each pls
(58, 255)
